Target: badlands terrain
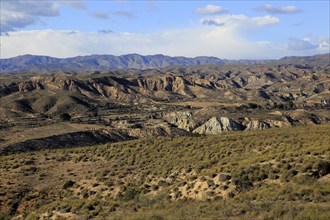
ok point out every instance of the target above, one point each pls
(221, 139)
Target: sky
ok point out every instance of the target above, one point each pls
(226, 29)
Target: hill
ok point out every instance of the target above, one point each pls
(321, 59)
(270, 174)
(201, 99)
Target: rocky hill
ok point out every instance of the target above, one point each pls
(263, 84)
(202, 99)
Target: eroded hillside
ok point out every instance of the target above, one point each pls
(205, 99)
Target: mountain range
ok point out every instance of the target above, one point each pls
(33, 63)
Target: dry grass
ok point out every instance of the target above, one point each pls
(273, 174)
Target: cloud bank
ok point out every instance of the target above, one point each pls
(268, 8)
(223, 42)
(126, 14)
(99, 15)
(241, 21)
(211, 9)
(304, 44)
(16, 14)
(21, 13)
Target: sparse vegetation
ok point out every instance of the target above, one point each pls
(271, 174)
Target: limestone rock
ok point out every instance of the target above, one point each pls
(255, 124)
(230, 125)
(183, 120)
(277, 123)
(215, 126)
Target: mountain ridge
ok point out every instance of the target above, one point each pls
(36, 63)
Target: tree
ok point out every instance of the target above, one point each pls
(275, 105)
(290, 104)
(253, 105)
(65, 117)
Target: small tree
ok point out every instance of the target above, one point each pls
(290, 105)
(65, 117)
(253, 105)
(275, 105)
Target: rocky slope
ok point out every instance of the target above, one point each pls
(215, 126)
(280, 86)
(216, 123)
(183, 120)
(260, 83)
(202, 99)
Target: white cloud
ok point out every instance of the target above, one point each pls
(225, 42)
(211, 9)
(224, 36)
(323, 43)
(99, 15)
(105, 31)
(126, 14)
(21, 13)
(279, 10)
(304, 44)
(213, 22)
(78, 4)
(240, 21)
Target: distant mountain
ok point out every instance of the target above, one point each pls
(32, 63)
(321, 59)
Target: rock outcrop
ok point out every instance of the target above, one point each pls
(277, 123)
(215, 126)
(183, 120)
(224, 124)
(255, 124)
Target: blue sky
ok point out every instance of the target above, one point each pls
(225, 29)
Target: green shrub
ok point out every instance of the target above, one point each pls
(68, 184)
(65, 117)
(224, 177)
(210, 183)
(323, 167)
(130, 194)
